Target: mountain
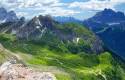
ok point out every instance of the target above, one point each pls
(3, 13)
(7, 16)
(108, 16)
(105, 18)
(48, 31)
(66, 19)
(12, 26)
(44, 29)
(110, 26)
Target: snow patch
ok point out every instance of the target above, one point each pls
(38, 22)
(37, 27)
(77, 40)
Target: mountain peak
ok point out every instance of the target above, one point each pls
(3, 13)
(7, 16)
(108, 16)
(2, 9)
(108, 10)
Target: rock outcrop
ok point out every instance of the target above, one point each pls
(10, 70)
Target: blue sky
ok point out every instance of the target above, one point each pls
(80, 9)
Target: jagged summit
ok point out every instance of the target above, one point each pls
(6, 16)
(108, 16)
(3, 13)
(35, 28)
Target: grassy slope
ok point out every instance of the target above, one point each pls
(66, 66)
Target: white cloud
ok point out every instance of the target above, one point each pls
(52, 7)
(56, 7)
(57, 11)
(96, 4)
(118, 1)
(20, 14)
(27, 3)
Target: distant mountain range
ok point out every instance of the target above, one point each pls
(11, 16)
(7, 16)
(110, 26)
(63, 19)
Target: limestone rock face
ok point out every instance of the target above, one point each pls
(10, 70)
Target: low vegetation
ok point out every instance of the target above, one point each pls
(81, 66)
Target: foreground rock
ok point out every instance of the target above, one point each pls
(12, 71)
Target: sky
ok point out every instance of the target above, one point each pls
(80, 9)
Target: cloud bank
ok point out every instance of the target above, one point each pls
(96, 4)
(31, 8)
(52, 7)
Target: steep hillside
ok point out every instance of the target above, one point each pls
(110, 27)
